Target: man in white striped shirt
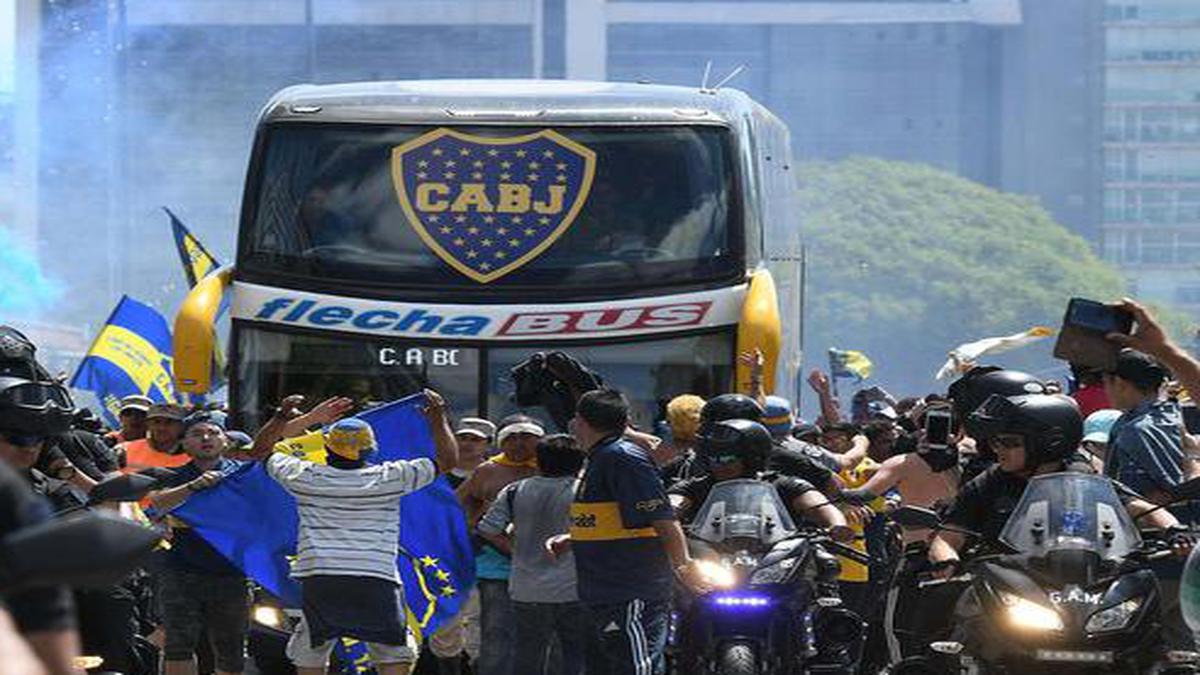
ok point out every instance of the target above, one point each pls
(349, 538)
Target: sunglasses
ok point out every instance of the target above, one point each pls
(22, 440)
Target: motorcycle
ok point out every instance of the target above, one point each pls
(1073, 592)
(775, 610)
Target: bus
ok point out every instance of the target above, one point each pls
(401, 235)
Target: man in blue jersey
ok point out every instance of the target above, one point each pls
(628, 545)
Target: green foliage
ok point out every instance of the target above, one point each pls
(906, 262)
(24, 290)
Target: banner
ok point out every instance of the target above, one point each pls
(849, 363)
(964, 357)
(131, 355)
(197, 261)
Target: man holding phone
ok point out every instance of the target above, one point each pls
(1146, 442)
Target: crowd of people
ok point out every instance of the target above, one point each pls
(580, 529)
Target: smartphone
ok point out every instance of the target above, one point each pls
(937, 428)
(1084, 326)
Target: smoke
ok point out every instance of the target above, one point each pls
(25, 291)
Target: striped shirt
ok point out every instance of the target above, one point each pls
(349, 518)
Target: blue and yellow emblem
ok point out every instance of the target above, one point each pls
(488, 205)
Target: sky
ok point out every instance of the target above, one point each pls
(8, 41)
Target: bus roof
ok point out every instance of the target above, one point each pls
(508, 102)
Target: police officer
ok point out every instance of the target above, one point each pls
(740, 448)
(31, 412)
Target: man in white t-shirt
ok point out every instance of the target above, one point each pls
(349, 539)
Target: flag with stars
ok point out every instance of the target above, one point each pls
(436, 561)
(488, 205)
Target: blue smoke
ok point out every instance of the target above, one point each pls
(25, 292)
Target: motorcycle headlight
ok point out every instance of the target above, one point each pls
(269, 616)
(1114, 618)
(774, 574)
(717, 574)
(1030, 615)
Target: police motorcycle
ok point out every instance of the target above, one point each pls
(1072, 592)
(774, 608)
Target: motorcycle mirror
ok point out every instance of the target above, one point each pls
(129, 487)
(1188, 490)
(916, 517)
(93, 550)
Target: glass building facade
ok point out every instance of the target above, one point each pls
(1152, 147)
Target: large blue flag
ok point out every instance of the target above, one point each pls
(252, 521)
(130, 355)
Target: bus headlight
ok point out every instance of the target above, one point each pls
(269, 616)
(1030, 615)
(1114, 618)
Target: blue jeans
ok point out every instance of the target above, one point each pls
(537, 624)
(497, 629)
(628, 638)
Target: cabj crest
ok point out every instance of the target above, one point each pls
(488, 205)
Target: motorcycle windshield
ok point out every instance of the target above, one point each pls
(1071, 511)
(743, 509)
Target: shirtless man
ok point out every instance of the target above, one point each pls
(517, 439)
(926, 478)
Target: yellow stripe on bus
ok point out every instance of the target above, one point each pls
(601, 521)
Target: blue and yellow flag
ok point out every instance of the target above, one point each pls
(197, 261)
(849, 363)
(436, 562)
(131, 355)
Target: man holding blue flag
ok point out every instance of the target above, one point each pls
(349, 537)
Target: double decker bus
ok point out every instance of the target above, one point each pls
(401, 235)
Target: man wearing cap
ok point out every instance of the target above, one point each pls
(517, 438)
(1096, 428)
(132, 417)
(1145, 445)
(202, 593)
(474, 436)
(160, 447)
(349, 537)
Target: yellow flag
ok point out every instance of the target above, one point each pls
(309, 447)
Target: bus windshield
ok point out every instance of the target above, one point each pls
(662, 205)
(475, 379)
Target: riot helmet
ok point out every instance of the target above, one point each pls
(728, 441)
(730, 407)
(34, 408)
(968, 392)
(18, 356)
(1049, 424)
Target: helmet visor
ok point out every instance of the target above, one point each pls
(36, 395)
(991, 418)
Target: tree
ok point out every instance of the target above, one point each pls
(907, 261)
(24, 290)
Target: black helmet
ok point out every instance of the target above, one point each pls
(39, 408)
(1050, 424)
(18, 356)
(746, 440)
(730, 407)
(972, 389)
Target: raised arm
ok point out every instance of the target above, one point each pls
(830, 411)
(1150, 337)
(445, 445)
(276, 428)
